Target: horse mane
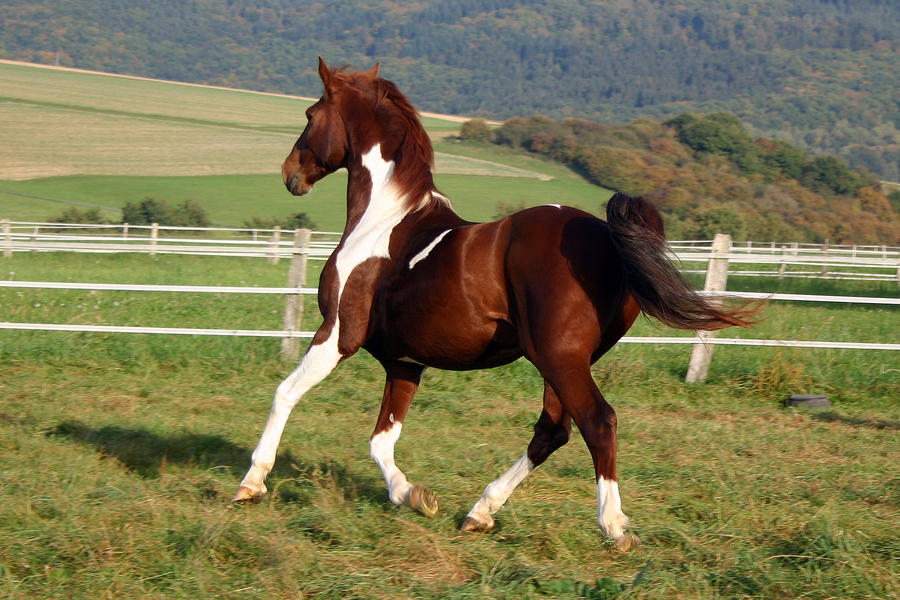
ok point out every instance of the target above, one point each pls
(414, 158)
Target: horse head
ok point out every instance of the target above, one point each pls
(325, 144)
(357, 111)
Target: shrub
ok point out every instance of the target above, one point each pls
(297, 220)
(476, 129)
(149, 210)
(78, 215)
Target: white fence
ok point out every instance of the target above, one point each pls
(771, 259)
(20, 236)
(42, 237)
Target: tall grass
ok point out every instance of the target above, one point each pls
(119, 454)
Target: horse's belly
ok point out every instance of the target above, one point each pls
(453, 342)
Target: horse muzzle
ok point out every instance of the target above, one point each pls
(297, 184)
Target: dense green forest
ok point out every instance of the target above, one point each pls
(820, 74)
(708, 175)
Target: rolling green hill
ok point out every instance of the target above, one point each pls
(74, 138)
(819, 74)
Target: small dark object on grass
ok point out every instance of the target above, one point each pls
(809, 401)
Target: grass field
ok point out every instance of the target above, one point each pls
(70, 137)
(121, 452)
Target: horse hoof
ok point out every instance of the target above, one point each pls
(627, 542)
(475, 525)
(423, 500)
(247, 496)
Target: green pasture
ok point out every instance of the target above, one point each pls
(81, 138)
(232, 199)
(120, 454)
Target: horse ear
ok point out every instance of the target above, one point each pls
(324, 73)
(373, 72)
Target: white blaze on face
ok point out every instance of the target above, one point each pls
(423, 254)
(609, 509)
(381, 449)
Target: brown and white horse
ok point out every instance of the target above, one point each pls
(417, 286)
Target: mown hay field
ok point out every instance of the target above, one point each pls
(60, 122)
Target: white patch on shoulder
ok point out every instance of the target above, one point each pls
(372, 235)
(423, 254)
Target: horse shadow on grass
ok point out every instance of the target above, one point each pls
(148, 455)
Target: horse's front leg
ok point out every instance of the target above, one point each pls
(399, 390)
(319, 361)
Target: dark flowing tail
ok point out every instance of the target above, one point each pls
(654, 281)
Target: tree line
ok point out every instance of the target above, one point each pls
(819, 74)
(708, 175)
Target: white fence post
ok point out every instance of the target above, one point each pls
(154, 236)
(273, 245)
(293, 307)
(783, 266)
(716, 279)
(7, 239)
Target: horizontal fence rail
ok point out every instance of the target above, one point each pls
(222, 289)
(867, 262)
(772, 259)
(65, 285)
(140, 287)
(21, 236)
(309, 334)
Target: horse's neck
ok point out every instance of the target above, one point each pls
(377, 204)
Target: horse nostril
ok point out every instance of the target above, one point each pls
(291, 182)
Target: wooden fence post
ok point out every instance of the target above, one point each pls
(716, 279)
(293, 307)
(783, 266)
(154, 236)
(273, 245)
(7, 239)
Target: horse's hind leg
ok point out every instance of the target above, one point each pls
(319, 361)
(596, 420)
(399, 390)
(550, 432)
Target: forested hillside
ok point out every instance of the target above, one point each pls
(708, 175)
(820, 74)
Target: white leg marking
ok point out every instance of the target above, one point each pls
(499, 490)
(370, 237)
(609, 509)
(381, 449)
(427, 249)
(318, 362)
